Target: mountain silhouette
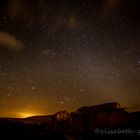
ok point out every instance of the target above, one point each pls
(90, 122)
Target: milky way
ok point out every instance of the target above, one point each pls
(60, 55)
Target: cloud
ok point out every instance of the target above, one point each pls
(72, 22)
(109, 6)
(9, 41)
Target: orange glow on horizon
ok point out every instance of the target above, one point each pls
(26, 114)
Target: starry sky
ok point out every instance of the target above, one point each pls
(63, 54)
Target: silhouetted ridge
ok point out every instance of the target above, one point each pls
(78, 125)
(103, 107)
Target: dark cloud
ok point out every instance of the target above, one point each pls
(110, 6)
(9, 41)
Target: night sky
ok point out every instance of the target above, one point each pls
(63, 54)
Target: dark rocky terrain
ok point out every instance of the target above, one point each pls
(93, 122)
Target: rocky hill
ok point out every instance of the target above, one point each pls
(90, 122)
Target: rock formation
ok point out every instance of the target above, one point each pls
(91, 117)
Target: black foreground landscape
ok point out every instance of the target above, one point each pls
(108, 120)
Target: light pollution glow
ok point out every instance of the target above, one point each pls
(25, 114)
